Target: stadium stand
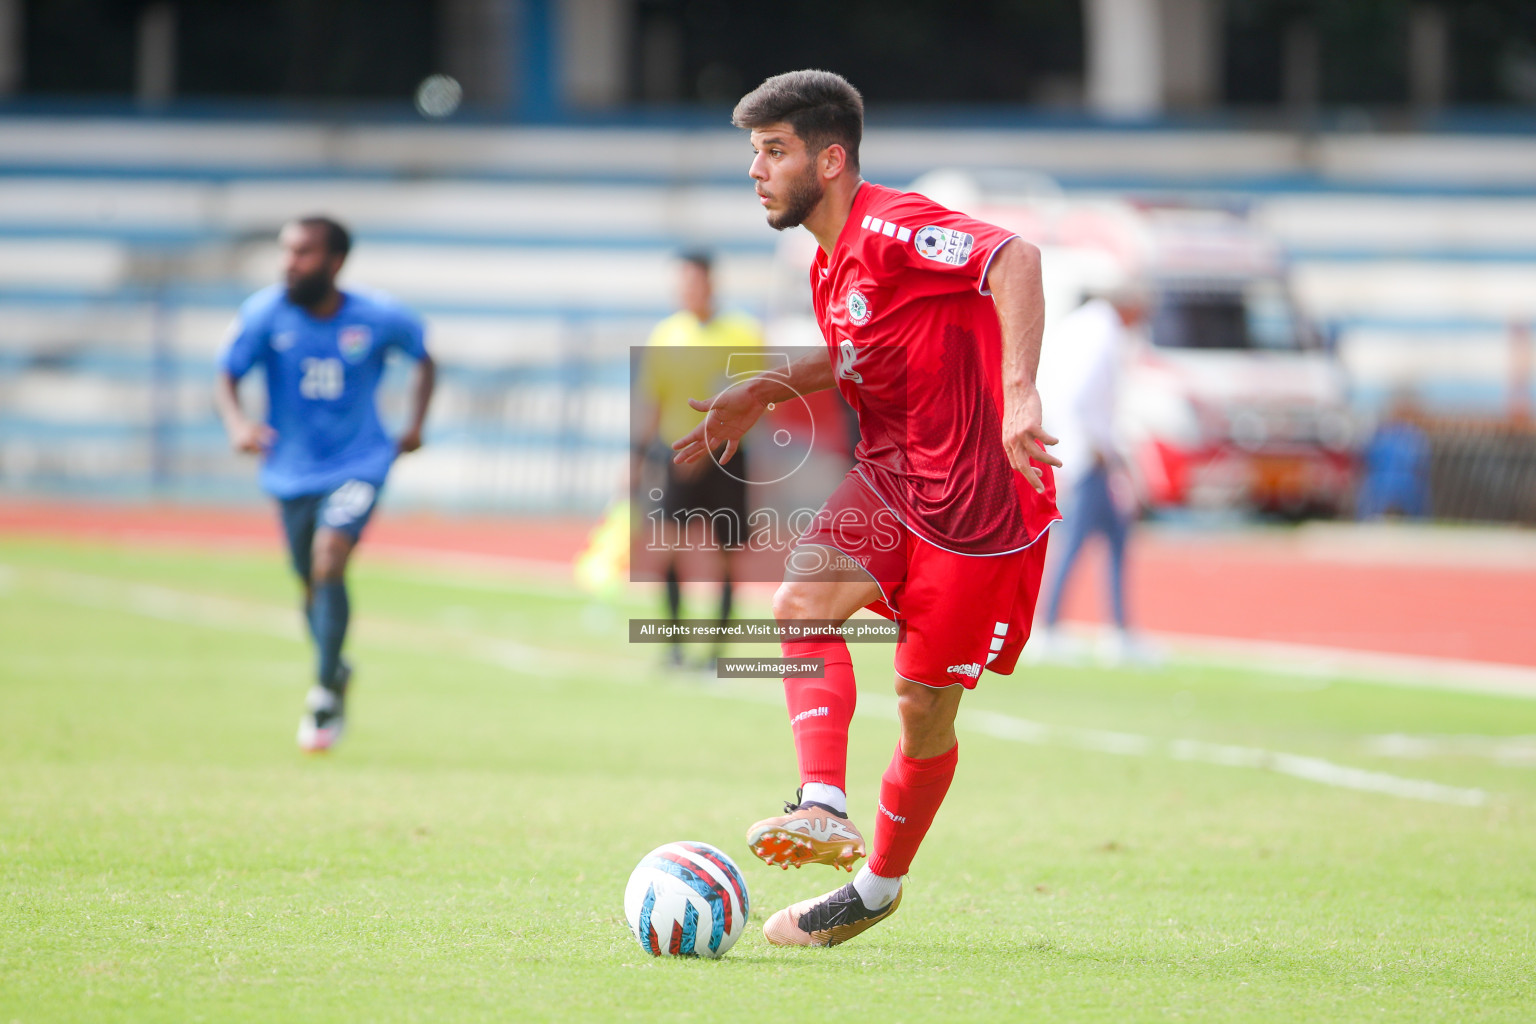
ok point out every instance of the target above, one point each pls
(540, 254)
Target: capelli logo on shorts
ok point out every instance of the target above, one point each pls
(973, 670)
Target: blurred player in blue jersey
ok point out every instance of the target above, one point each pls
(325, 453)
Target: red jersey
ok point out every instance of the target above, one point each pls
(917, 350)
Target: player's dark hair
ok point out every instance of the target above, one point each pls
(701, 258)
(338, 240)
(822, 108)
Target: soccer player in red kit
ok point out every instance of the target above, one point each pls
(932, 323)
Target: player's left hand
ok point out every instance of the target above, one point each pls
(410, 440)
(1024, 438)
(727, 417)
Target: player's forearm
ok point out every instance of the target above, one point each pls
(809, 373)
(1014, 279)
(421, 393)
(226, 398)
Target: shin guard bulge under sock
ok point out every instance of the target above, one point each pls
(910, 794)
(820, 709)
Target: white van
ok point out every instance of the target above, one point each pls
(1229, 397)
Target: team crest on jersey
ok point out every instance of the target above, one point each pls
(354, 342)
(282, 341)
(858, 307)
(943, 245)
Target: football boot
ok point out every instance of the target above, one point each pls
(807, 833)
(826, 920)
(324, 714)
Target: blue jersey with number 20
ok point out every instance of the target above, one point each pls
(322, 379)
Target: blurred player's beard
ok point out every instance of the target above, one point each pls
(309, 290)
(799, 200)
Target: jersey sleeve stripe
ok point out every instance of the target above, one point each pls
(981, 282)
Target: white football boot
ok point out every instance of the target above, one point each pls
(808, 833)
(324, 715)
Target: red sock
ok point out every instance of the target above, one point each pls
(820, 710)
(910, 794)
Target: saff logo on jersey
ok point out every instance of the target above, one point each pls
(943, 245)
(354, 342)
(858, 307)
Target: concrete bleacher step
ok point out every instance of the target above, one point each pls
(693, 154)
(551, 214)
(521, 244)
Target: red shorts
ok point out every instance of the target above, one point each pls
(963, 613)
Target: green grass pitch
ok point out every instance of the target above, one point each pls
(167, 855)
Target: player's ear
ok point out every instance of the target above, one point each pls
(833, 159)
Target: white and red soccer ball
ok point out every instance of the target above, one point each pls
(686, 899)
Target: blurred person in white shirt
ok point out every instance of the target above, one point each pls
(1083, 366)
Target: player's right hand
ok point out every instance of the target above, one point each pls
(252, 438)
(727, 417)
(1024, 437)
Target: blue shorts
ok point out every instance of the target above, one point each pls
(345, 508)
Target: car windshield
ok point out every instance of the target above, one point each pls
(1255, 315)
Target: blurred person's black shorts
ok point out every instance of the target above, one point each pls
(715, 495)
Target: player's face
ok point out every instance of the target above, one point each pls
(309, 266)
(785, 172)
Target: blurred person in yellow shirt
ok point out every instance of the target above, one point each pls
(703, 504)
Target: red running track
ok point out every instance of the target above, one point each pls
(1261, 588)
(1396, 598)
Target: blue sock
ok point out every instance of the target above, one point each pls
(309, 618)
(328, 618)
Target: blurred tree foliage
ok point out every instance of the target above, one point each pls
(355, 49)
(897, 51)
(907, 51)
(1363, 49)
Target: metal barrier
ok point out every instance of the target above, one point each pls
(1482, 469)
(549, 437)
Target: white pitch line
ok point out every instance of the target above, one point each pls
(1316, 769)
(166, 604)
(1272, 657)
(215, 612)
(1313, 769)
(999, 726)
(1311, 661)
(1414, 671)
(188, 608)
(1510, 751)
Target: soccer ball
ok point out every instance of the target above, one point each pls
(686, 899)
